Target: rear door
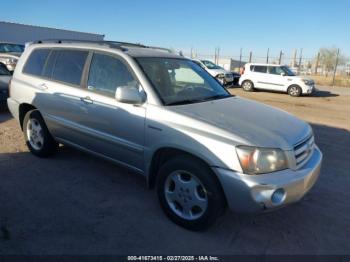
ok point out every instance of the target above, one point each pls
(259, 78)
(60, 101)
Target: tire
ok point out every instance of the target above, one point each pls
(294, 90)
(189, 194)
(37, 136)
(248, 86)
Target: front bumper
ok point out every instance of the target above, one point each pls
(308, 89)
(255, 193)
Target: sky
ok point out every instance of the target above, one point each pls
(203, 25)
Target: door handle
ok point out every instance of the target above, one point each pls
(86, 100)
(43, 86)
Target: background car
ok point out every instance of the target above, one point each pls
(5, 77)
(276, 78)
(225, 77)
(9, 54)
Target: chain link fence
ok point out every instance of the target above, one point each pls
(312, 66)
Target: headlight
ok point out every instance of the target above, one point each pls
(220, 76)
(306, 81)
(11, 61)
(255, 160)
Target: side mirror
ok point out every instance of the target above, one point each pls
(130, 95)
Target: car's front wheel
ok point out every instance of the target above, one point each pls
(189, 193)
(248, 86)
(294, 90)
(37, 136)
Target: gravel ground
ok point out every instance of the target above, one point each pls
(76, 204)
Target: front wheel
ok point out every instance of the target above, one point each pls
(294, 90)
(37, 136)
(189, 193)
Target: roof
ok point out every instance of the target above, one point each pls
(263, 64)
(150, 52)
(132, 49)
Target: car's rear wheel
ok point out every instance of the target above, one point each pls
(37, 136)
(294, 90)
(248, 86)
(189, 193)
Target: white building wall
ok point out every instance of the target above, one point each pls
(19, 33)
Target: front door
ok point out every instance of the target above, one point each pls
(115, 129)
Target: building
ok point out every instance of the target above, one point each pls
(21, 34)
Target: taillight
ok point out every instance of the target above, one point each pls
(10, 87)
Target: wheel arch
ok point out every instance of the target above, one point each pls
(24, 108)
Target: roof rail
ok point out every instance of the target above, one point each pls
(111, 44)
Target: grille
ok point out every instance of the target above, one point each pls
(303, 151)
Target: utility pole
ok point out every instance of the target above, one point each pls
(300, 58)
(218, 57)
(215, 55)
(250, 56)
(280, 59)
(317, 61)
(240, 58)
(336, 65)
(267, 55)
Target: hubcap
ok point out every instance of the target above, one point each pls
(246, 86)
(35, 134)
(294, 91)
(186, 195)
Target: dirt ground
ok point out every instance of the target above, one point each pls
(73, 203)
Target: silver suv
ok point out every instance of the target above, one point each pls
(166, 118)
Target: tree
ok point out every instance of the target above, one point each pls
(328, 57)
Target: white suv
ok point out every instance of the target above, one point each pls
(276, 78)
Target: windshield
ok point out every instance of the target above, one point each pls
(287, 70)
(210, 65)
(181, 81)
(11, 48)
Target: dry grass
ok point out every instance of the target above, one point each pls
(328, 81)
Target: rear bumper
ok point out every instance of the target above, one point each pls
(255, 193)
(13, 106)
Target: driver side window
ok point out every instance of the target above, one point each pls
(107, 73)
(275, 70)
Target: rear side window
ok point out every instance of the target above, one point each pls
(36, 62)
(107, 73)
(69, 66)
(260, 69)
(50, 64)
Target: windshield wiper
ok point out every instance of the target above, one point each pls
(191, 101)
(183, 102)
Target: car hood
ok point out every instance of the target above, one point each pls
(256, 123)
(215, 72)
(4, 81)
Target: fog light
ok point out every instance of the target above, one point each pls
(278, 196)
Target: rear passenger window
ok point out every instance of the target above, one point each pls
(260, 69)
(50, 64)
(36, 62)
(69, 66)
(107, 73)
